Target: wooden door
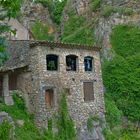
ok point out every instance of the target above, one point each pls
(49, 97)
(88, 91)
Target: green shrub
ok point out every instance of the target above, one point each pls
(18, 112)
(107, 11)
(62, 122)
(55, 8)
(113, 114)
(125, 11)
(65, 124)
(18, 100)
(91, 120)
(95, 4)
(125, 39)
(5, 130)
(40, 31)
(77, 30)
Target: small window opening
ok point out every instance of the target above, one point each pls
(49, 98)
(88, 91)
(52, 62)
(71, 62)
(88, 62)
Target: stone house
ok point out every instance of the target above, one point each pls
(43, 70)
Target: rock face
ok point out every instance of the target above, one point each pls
(32, 12)
(104, 29)
(94, 134)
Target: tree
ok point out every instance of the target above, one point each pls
(8, 9)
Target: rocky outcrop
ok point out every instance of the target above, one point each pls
(32, 12)
(94, 134)
(104, 29)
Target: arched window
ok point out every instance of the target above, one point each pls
(52, 62)
(71, 62)
(88, 63)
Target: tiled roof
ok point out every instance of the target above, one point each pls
(18, 55)
(63, 45)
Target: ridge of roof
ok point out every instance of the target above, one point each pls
(58, 44)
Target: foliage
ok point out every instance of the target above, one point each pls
(121, 75)
(120, 134)
(107, 11)
(113, 114)
(125, 11)
(65, 124)
(18, 112)
(40, 31)
(91, 120)
(8, 9)
(125, 40)
(55, 8)
(95, 4)
(76, 30)
(5, 130)
(3, 46)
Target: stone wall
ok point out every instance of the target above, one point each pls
(58, 80)
(21, 32)
(24, 84)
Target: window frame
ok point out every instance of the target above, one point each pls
(76, 62)
(57, 62)
(92, 64)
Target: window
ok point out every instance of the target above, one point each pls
(52, 62)
(88, 63)
(71, 62)
(88, 91)
(49, 98)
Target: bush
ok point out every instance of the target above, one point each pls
(64, 124)
(107, 11)
(66, 130)
(113, 114)
(95, 4)
(55, 8)
(40, 31)
(18, 100)
(5, 130)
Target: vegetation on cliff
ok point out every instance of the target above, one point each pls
(121, 78)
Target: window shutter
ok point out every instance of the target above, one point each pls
(88, 91)
(49, 98)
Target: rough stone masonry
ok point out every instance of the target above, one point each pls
(43, 70)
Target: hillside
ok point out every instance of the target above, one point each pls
(113, 25)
